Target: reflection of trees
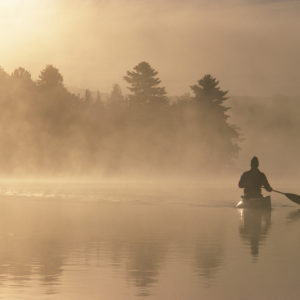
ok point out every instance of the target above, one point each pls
(141, 244)
(254, 227)
(208, 259)
(19, 262)
(145, 258)
(209, 255)
(51, 261)
(126, 238)
(38, 238)
(14, 264)
(30, 246)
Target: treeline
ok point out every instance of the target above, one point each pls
(45, 128)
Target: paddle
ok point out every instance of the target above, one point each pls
(293, 197)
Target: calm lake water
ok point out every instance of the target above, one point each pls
(135, 241)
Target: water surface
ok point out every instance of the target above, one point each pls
(135, 241)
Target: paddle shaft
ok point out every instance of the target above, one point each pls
(278, 192)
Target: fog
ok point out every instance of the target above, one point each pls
(125, 126)
(250, 46)
(270, 129)
(80, 128)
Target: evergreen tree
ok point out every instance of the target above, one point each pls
(98, 97)
(21, 74)
(116, 97)
(22, 77)
(4, 78)
(208, 93)
(50, 77)
(144, 85)
(147, 117)
(219, 136)
(88, 97)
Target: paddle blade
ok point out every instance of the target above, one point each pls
(293, 197)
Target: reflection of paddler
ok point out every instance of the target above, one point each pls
(254, 227)
(253, 180)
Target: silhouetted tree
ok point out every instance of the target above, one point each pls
(148, 116)
(116, 97)
(144, 85)
(209, 93)
(21, 74)
(88, 97)
(3, 74)
(4, 82)
(41, 120)
(219, 136)
(22, 81)
(98, 97)
(50, 77)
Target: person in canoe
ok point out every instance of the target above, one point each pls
(253, 180)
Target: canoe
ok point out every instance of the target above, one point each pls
(260, 202)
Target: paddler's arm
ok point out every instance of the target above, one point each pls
(265, 183)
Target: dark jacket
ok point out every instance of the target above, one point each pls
(252, 181)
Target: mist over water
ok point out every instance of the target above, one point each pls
(95, 43)
(129, 241)
(269, 129)
(250, 46)
(125, 126)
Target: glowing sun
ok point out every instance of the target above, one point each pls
(10, 3)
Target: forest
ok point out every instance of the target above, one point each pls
(47, 129)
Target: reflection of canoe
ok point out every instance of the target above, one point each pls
(260, 202)
(254, 226)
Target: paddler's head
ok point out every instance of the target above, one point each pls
(254, 163)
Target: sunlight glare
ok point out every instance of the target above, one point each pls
(10, 3)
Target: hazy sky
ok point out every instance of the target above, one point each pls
(251, 46)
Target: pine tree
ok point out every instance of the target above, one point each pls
(116, 97)
(4, 77)
(50, 77)
(219, 136)
(88, 97)
(208, 93)
(21, 74)
(144, 85)
(22, 77)
(98, 97)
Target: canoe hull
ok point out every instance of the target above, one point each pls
(262, 202)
